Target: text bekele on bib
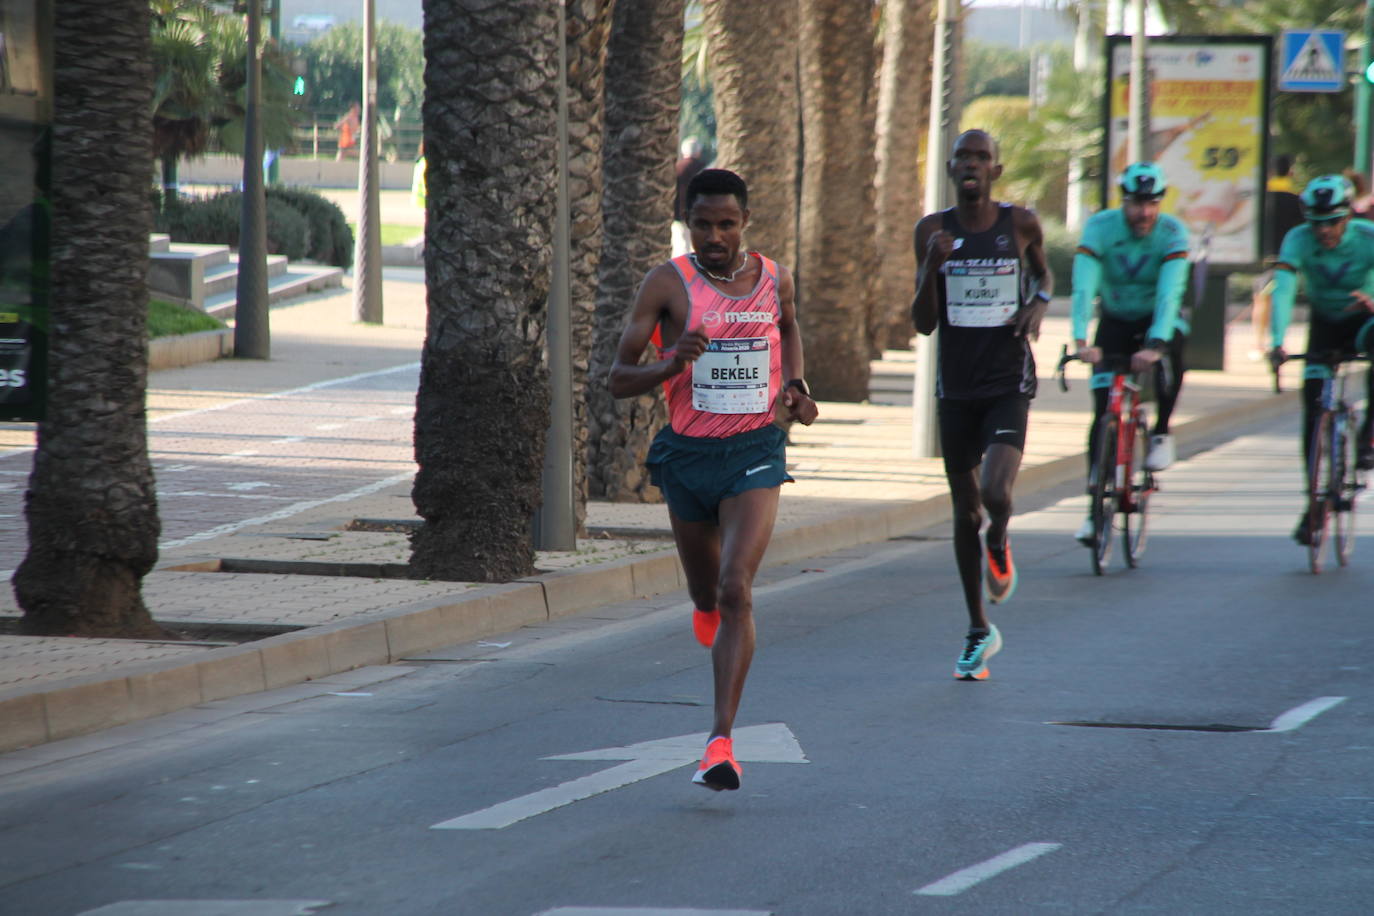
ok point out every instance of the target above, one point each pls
(732, 376)
(982, 292)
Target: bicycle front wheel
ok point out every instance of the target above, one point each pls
(1104, 491)
(1343, 486)
(1135, 514)
(1319, 492)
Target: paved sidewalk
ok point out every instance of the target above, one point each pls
(857, 482)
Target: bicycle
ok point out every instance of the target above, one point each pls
(1119, 482)
(1333, 479)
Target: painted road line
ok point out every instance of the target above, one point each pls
(966, 878)
(209, 908)
(273, 396)
(288, 511)
(645, 911)
(772, 743)
(1299, 716)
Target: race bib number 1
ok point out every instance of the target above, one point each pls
(732, 376)
(981, 293)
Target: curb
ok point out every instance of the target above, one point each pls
(81, 705)
(188, 349)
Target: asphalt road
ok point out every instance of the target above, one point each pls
(1223, 763)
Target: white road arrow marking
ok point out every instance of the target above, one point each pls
(966, 878)
(773, 743)
(1301, 715)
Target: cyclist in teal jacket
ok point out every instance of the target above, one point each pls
(1335, 256)
(1135, 259)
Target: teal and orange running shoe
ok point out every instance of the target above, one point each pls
(1000, 581)
(981, 646)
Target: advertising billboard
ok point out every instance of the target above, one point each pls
(25, 126)
(1209, 124)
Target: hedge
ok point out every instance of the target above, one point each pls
(300, 224)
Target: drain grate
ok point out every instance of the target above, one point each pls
(1166, 726)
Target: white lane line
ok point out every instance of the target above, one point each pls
(1299, 716)
(209, 908)
(244, 453)
(287, 441)
(645, 911)
(966, 878)
(287, 511)
(277, 395)
(326, 427)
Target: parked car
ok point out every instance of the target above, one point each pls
(314, 22)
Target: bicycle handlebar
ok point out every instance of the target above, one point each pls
(1332, 358)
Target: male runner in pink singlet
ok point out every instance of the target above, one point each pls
(729, 328)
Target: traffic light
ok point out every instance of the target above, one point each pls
(298, 88)
(1369, 72)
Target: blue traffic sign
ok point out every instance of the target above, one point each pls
(1312, 61)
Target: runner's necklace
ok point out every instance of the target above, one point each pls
(728, 279)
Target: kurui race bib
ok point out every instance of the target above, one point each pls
(982, 292)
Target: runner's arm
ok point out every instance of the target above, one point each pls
(932, 247)
(1028, 318)
(796, 399)
(653, 302)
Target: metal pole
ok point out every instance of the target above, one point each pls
(944, 119)
(274, 31)
(252, 337)
(555, 524)
(1139, 114)
(367, 255)
(1364, 99)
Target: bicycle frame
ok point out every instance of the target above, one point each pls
(1123, 402)
(1332, 479)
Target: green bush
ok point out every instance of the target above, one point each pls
(215, 221)
(331, 239)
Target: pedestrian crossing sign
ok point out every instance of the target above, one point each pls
(1312, 61)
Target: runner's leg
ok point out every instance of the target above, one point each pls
(746, 525)
(1000, 466)
(968, 549)
(698, 549)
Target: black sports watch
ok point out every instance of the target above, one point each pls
(800, 385)
(1154, 343)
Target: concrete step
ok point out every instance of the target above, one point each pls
(224, 277)
(297, 280)
(177, 271)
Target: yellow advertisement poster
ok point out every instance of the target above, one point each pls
(1208, 118)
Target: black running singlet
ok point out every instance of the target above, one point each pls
(981, 287)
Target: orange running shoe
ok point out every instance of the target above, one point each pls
(1000, 581)
(718, 769)
(704, 624)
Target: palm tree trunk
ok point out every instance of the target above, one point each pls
(643, 95)
(835, 254)
(482, 410)
(92, 504)
(903, 108)
(169, 177)
(753, 53)
(589, 25)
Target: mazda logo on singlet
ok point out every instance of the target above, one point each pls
(711, 319)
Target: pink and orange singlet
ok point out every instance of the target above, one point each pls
(733, 386)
